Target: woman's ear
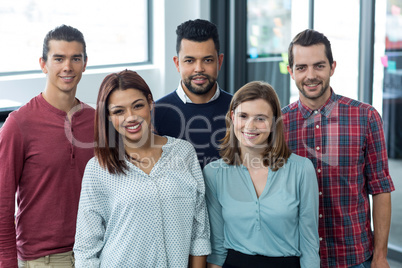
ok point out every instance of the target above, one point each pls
(151, 102)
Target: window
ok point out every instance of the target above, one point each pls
(341, 26)
(116, 32)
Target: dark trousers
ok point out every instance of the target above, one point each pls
(237, 259)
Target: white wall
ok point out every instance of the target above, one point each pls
(162, 76)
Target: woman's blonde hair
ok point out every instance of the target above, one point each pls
(277, 152)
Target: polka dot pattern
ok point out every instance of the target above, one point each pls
(141, 220)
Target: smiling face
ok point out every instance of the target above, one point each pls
(252, 123)
(198, 64)
(130, 114)
(311, 71)
(64, 66)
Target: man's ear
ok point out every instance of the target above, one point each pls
(333, 66)
(42, 64)
(290, 72)
(176, 63)
(220, 60)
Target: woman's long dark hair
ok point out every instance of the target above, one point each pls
(109, 149)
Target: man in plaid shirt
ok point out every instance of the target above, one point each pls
(345, 141)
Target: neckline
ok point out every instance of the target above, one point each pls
(165, 149)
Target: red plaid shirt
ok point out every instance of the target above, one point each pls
(345, 141)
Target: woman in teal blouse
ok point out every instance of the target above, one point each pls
(262, 199)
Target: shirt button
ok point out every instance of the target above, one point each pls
(320, 215)
(316, 112)
(317, 148)
(320, 238)
(319, 170)
(320, 193)
(317, 126)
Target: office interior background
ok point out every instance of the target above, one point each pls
(366, 38)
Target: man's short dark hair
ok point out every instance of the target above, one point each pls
(63, 33)
(197, 30)
(308, 38)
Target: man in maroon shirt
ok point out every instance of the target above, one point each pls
(44, 147)
(344, 139)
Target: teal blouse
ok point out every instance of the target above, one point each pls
(283, 221)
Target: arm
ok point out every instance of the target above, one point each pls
(218, 255)
(197, 261)
(90, 223)
(308, 217)
(210, 265)
(381, 221)
(200, 237)
(379, 186)
(12, 161)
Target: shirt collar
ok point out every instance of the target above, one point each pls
(325, 110)
(185, 99)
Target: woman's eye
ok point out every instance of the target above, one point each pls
(117, 112)
(138, 106)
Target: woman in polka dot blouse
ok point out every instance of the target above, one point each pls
(143, 196)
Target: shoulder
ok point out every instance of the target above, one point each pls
(27, 108)
(291, 107)
(178, 145)
(354, 104)
(301, 169)
(355, 108)
(298, 163)
(87, 113)
(297, 159)
(95, 173)
(169, 98)
(225, 97)
(169, 107)
(87, 108)
(94, 167)
(225, 94)
(93, 164)
(215, 167)
(21, 116)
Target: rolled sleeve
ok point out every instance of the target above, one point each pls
(200, 240)
(376, 159)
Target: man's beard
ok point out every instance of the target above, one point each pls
(199, 90)
(324, 88)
